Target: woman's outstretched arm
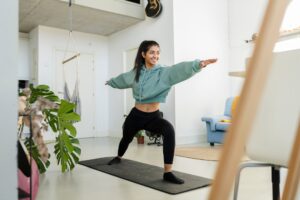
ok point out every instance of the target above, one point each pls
(124, 80)
(184, 70)
(204, 63)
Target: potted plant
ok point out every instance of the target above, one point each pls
(140, 136)
(40, 108)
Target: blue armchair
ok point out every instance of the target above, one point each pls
(217, 125)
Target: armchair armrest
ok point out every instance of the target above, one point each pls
(213, 120)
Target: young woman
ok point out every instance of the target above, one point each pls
(150, 83)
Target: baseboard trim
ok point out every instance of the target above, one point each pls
(191, 139)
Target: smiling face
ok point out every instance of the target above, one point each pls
(151, 56)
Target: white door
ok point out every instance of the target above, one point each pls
(86, 127)
(129, 58)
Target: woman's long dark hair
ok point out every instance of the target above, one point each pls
(139, 59)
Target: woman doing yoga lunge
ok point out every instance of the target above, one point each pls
(150, 83)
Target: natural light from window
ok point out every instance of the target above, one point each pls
(291, 22)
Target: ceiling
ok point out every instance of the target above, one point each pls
(56, 13)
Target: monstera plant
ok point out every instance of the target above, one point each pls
(47, 110)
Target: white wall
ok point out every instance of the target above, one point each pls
(159, 29)
(244, 20)
(24, 58)
(8, 105)
(47, 40)
(200, 31)
(33, 60)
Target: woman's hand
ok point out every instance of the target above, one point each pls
(204, 63)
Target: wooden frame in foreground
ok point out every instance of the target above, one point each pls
(293, 177)
(237, 135)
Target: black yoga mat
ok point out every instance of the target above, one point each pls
(147, 175)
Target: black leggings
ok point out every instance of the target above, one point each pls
(153, 122)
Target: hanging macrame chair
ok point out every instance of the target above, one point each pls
(74, 97)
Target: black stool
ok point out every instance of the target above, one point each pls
(155, 138)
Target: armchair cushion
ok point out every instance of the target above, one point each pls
(212, 121)
(222, 126)
(228, 106)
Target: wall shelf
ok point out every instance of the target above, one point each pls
(284, 35)
(241, 74)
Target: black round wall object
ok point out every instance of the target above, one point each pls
(153, 8)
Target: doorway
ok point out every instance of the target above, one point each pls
(86, 127)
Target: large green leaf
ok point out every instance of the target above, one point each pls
(69, 117)
(52, 98)
(42, 91)
(52, 119)
(36, 156)
(66, 107)
(42, 87)
(70, 128)
(67, 152)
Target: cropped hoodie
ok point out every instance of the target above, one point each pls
(154, 84)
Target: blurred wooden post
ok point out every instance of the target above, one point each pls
(258, 71)
(293, 178)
